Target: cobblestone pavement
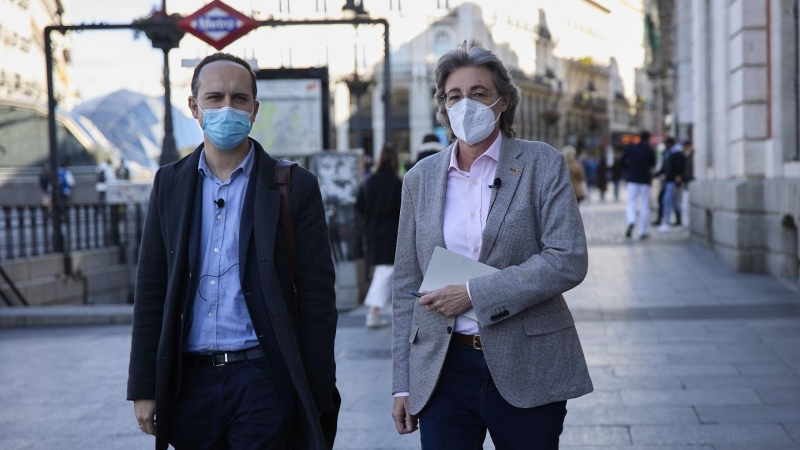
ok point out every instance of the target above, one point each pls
(685, 354)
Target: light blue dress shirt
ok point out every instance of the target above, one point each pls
(219, 320)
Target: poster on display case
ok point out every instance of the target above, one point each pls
(339, 173)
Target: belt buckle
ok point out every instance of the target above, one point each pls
(476, 341)
(214, 361)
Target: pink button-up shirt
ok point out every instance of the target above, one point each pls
(466, 207)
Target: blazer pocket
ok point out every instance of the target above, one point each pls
(413, 335)
(548, 323)
(520, 214)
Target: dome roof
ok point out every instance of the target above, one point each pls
(134, 123)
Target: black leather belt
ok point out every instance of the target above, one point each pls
(470, 339)
(222, 358)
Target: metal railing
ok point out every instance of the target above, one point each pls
(27, 231)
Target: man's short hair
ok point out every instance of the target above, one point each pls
(669, 142)
(220, 57)
(644, 136)
(687, 142)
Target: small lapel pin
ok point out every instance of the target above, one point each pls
(515, 170)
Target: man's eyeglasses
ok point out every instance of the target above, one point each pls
(479, 95)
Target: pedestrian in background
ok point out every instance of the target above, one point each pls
(601, 176)
(123, 172)
(103, 175)
(507, 203)
(430, 146)
(672, 169)
(66, 181)
(615, 172)
(638, 161)
(233, 332)
(577, 176)
(666, 148)
(590, 169)
(688, 177)
(45, 184)
(378, 203)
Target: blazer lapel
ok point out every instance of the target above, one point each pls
(266, 207)
(509, 170)
(246, 224)
(185, 201)
(437, 187)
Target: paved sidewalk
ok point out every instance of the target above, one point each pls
(685, 354)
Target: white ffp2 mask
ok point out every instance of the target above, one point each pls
(472, 121)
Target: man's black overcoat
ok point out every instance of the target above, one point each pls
(166, 282)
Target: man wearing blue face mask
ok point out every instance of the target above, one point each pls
(232, 345)
(499, 353)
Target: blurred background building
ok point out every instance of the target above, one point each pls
(574, 60)
(591, 73)
(22, 62)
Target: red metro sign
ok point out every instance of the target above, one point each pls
(217, 24)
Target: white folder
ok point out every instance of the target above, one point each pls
(448, 268)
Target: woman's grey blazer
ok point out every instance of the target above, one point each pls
(534, 234)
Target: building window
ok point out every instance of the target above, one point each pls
(442, 43)
(399, 134)
(400, 102)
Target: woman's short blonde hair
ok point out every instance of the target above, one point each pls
(569, 152)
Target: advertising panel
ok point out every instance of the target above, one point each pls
(289, 120)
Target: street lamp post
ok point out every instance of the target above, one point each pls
(57, 204)
(166, 39)
(169, 151)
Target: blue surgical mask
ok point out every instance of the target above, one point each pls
(226, 127)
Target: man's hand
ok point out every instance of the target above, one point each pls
(450, 300)
(145, 411)
(403, 420)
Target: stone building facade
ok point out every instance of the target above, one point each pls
(737, 84)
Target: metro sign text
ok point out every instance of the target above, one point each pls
(217, 24)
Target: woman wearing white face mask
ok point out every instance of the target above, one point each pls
(507, 203)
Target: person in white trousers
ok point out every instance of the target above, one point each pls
(379, 294)
(638, 161)
(378, 203)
